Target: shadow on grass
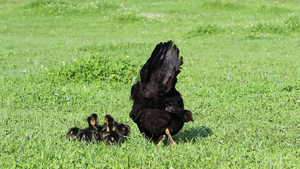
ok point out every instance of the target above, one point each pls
(187, 135)
(191, 134)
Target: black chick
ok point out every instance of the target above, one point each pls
(123, 129)
(99, 127)
(90, 132)
(158, 108)
(73, 133)
(95, 116)
(110, 134)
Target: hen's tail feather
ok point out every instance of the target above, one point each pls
(163, 66)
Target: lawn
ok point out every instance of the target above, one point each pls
(61, 61)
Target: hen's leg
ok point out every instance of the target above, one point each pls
(172, 142)
(163, 138)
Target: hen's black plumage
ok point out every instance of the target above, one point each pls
(158, 108)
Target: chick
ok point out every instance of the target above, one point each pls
(123, 129)
(110, 134)
(73, 133)
(99, 127)
(90, 132)
(95, 116)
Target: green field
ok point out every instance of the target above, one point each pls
(62, 60)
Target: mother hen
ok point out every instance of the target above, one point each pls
(158, 108)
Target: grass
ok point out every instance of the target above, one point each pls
(61, 61)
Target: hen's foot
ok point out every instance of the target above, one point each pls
(172, 142)
(163, 138)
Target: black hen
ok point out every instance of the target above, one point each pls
(158, 108)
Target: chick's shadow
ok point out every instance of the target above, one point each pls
(191, 134)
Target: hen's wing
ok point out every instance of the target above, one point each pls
(158, 79)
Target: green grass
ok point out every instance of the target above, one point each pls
(60, 61)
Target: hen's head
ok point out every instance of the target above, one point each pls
(188, 116)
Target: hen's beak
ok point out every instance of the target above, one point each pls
(192, 120)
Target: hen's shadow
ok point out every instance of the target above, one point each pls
(193, 133)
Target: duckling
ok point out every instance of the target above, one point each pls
(99, 127)
(123, 129)
(110, 134)
(90, 132)
(95, 116)
(73, 133)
